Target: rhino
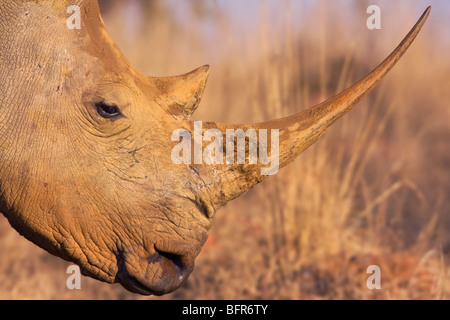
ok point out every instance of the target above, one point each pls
(86, 171)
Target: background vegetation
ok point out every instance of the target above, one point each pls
(374, 190)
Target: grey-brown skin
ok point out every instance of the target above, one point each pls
(104, 192)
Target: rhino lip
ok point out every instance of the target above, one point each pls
(132, 284)
(175, 269)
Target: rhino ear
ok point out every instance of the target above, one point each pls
(181, 95)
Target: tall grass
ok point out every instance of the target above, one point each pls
(372, 191)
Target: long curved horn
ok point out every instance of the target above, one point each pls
(296, 133)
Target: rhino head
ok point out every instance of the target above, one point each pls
(86, 141)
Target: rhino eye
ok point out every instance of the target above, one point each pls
(107, 110)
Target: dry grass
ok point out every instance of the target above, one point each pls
(374, 190)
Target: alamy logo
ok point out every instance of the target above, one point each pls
(74, 280)
(74, 21)
(236, 142)
(374, 21)
(374, 281)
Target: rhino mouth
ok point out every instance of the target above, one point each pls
(165, 273)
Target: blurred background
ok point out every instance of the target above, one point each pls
(374, 190)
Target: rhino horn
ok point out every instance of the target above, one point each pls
(300, 131)
(181, 95)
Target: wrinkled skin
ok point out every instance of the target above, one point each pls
(100, 191)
